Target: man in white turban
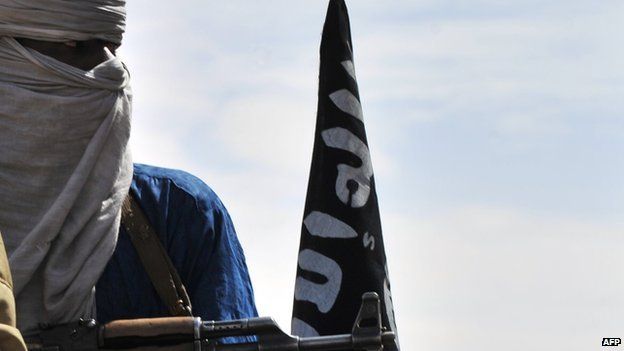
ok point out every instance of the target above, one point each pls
(65, 169)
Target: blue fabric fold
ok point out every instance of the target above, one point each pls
(199, 236)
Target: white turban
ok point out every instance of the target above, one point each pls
(63, 20)
(64, 163)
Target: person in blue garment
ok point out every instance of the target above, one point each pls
(199, 236)
(65, 169)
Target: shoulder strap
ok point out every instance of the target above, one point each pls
(155, 259)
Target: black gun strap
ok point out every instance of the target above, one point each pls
(155, 259)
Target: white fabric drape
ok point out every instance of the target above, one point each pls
(64, 171)
(62, 20)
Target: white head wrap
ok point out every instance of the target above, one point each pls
(64, 171)
(62, 20)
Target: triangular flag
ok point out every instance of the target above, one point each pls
(341, 253)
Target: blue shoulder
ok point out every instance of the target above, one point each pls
(181, 180)
(199, 236)
(162, 181)
(185, 212)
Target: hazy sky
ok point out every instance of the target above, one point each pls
(496, 134)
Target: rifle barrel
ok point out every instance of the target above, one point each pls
(325, 343)
(338, 342)
(317, 343)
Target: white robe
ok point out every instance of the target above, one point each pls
(64, 171)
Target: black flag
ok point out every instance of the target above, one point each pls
(341, 254)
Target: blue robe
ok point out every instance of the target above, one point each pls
(198, 234)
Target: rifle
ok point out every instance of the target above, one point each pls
(193, 334)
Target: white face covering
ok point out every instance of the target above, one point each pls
(64, 171)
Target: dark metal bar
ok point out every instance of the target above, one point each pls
(325, 343)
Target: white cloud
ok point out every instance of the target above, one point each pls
(547, 69)
(481, 276)
(268, 130)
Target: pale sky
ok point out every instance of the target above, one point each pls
(496, 134)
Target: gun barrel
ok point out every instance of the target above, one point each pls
(317, 343)
(240, 327)
(342, 342)
(325, 343)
